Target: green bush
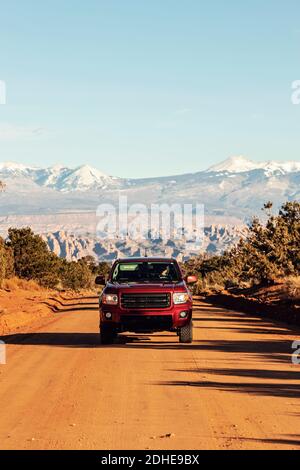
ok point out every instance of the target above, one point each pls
(6, 261)
(76, 275)
(32, 258)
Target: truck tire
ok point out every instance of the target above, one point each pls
(186, 334)
(108, 334)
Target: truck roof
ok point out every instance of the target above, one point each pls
(145, 259)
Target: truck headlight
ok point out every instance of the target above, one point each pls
(110, 299)
(180, 298)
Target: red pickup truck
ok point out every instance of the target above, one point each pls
(146, 295)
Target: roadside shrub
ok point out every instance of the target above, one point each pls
(6, 261)
(32, 258)
(293, 287)
(97, 269)
(76, 275)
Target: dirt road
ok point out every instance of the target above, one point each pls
(234, 388)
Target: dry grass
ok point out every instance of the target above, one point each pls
(293, 287)
(20, 284)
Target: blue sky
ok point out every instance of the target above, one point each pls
(141, 88)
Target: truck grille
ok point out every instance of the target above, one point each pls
(136, 301)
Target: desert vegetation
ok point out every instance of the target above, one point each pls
(270, 253)
(26, 256)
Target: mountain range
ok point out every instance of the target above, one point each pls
(86, 178)
(64, 200)
(236, 188)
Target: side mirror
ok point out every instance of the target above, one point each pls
(100, 281)
(191, 279)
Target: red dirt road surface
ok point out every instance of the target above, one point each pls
(235, 387)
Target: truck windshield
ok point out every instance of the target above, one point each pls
(145, 272)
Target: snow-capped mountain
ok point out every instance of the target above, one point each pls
(241, 164)
(58, 177)
(234, 165)
(87, 178)
(83, 178)
(8, 169)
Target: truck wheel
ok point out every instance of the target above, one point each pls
(107, 334)
(186, 334)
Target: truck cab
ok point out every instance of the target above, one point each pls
(146, 295)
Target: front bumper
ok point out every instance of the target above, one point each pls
(146, 320)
